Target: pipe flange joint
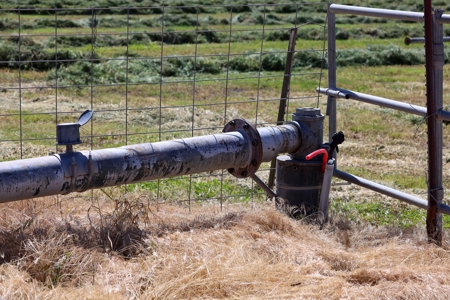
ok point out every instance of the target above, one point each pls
(252, 133)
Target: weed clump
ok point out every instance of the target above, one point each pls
(55, 251)
(120, 231)
(274, 61)
(278, 35)
(33, 56)
(138, 70)
(247, 63)
(379, 56)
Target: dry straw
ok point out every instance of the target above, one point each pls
(127, 249)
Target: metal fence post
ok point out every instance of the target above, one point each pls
(331, 101)
(434, 53)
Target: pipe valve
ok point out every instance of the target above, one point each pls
(337, 139)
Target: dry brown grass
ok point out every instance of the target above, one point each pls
(139, 250)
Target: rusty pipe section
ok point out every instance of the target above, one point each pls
(79, 171)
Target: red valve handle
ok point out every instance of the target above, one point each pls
(324, 157)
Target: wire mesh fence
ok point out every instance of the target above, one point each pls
(152, 74)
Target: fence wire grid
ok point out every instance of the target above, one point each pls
(153, 74)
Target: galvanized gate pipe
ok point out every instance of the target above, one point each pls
(380, 101)
(384, 13)
(417, 40)
(376, 12)
(388, 191)
(243, 148)
(434, 57)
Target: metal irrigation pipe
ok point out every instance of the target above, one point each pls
(240, 149)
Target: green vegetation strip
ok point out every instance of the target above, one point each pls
(204, 6)
(76, 67)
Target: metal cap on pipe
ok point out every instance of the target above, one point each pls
(69, 133)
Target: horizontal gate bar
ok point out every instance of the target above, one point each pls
(383, 13)
(443, 115)
(416, 201)
(341, 93)
(384, 102)
(415, 40)
(444, 19)
(377, 12)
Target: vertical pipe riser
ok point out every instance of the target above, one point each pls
(298, 183)
(298, 180)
